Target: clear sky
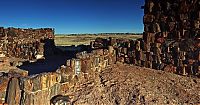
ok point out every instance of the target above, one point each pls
(74, 16)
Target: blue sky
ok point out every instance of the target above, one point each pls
(74, 16)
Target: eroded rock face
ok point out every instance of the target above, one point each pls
(130, 85)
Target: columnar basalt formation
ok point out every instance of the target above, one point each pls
(24, 43)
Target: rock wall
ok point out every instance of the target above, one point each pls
(9, 85)
(24, 43)
(172, 34)
(41, 89)
(167, 56)
(171, 38)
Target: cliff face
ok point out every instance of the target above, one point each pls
(130, 85)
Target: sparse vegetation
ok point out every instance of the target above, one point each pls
(68, 40)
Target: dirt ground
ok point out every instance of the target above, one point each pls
(131, 85)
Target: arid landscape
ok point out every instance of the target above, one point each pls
(160, 66)
(68, 40)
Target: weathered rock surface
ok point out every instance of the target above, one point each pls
(131, 85)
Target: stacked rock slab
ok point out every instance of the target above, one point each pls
(45, 88)
(172, 33)
(85, 64)
(10, 91)
(171, 38)
(14, 92)
(38, 89)
(24, 43)
(168, 55)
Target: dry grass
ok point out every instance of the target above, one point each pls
(64, 40)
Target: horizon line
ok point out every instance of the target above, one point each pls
(100, 33)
